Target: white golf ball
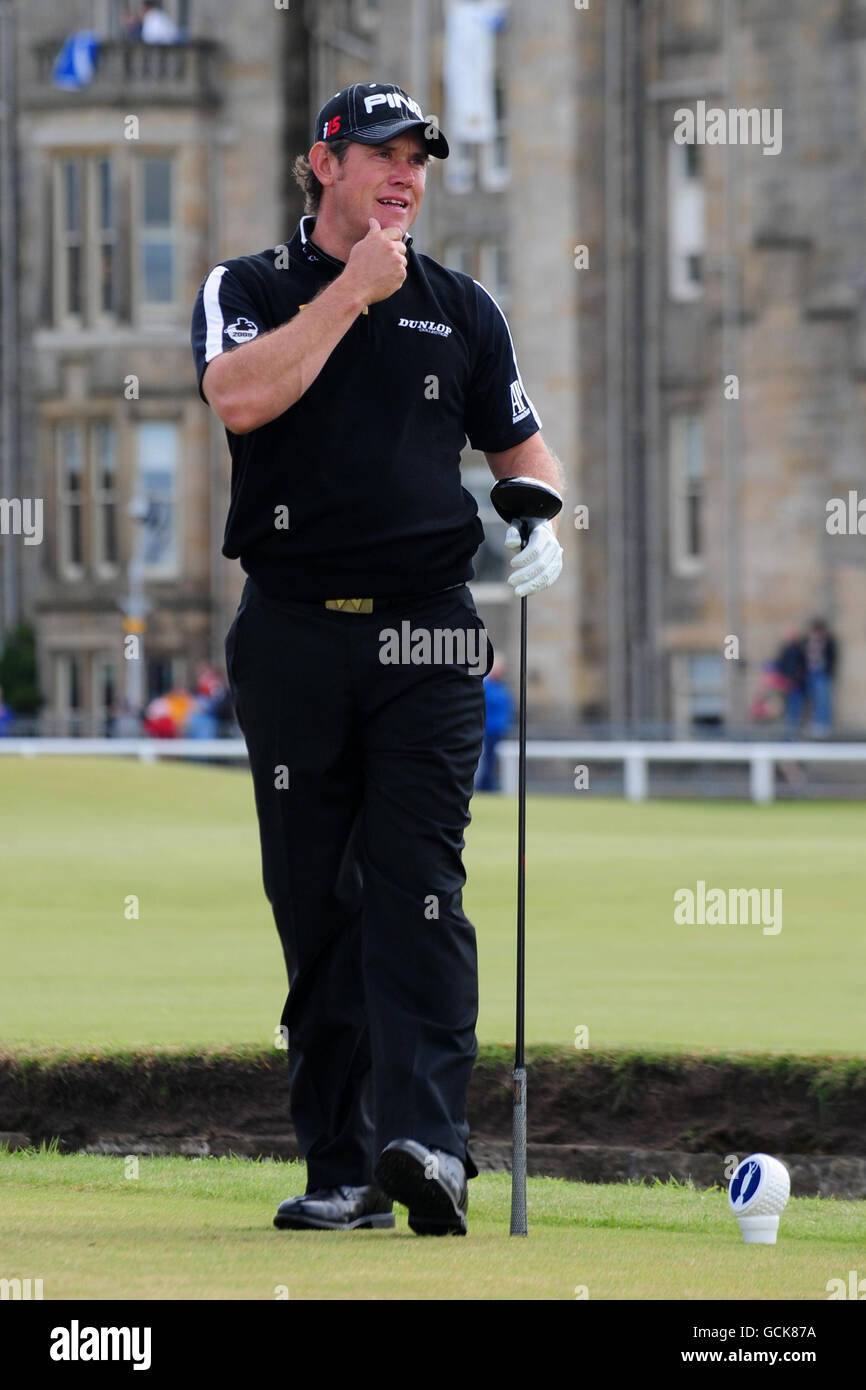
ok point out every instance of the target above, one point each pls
(760, 1186)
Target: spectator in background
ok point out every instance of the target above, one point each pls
(131, 25)
(499, 716)
(820, 658)
(791, 666)
(7, 717)
(210, 689)
(201, 722)
(224, 714)
(208, 681)
(156, 27)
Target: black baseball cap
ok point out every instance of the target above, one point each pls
(373, 112)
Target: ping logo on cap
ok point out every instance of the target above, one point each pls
(395, 99)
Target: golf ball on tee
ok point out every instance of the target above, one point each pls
(758, 1193)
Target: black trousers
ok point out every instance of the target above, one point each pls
(363, 770)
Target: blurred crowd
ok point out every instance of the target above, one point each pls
(205, 712)
(201, 713)
(797, 685)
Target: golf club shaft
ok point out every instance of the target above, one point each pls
(521, 847)
(523, 503)
(519, 1224)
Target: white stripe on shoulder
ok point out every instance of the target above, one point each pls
(535, 413)
(213, 314)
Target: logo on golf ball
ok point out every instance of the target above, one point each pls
(745, 1183)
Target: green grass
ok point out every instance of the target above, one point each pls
(202, 1229)
(202, 967)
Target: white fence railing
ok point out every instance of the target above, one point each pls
(636, 757)
(147, 749)
(762, 758)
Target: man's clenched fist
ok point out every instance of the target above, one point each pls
(377, 263)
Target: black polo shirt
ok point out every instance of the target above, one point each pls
(355, 490)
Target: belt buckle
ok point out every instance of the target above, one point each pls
(350, 605)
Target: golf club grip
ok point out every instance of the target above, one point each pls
(519, 1226)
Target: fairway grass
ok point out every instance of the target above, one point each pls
(201, 1229)
(200, 964)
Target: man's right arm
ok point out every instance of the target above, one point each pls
(254, 383)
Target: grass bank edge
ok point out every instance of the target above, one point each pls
(825, 1075)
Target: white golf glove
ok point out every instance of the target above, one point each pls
(537, 566)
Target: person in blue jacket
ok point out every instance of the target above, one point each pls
(499, 717)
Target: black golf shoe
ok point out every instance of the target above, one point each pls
(337, 1209)
(430, 1182)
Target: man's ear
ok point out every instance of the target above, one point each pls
(323, 162)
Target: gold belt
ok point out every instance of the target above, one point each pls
(350, 605)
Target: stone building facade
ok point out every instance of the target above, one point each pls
(690, 321)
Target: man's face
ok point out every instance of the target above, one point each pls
(382, 181)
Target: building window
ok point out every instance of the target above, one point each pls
(157, 485)
(494, 152)
(686, 467)
(86, 462)
(698, 691)
(85, 237)
(70, 236)
(106, 224)
(486, 261)
(493, 271)
(459, 172)
(474, 91)
(686, 227)
(104, 451)
(366, 14)
(71, 483)
(458, 255)
(157, 269)
(104, 687)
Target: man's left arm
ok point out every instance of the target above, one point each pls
(530, 459)
(504, 425)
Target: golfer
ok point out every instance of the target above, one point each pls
(348, 370)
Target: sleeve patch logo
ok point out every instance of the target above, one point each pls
(519, 408)
(242, 330)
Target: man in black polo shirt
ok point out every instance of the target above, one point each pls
(348, 370)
